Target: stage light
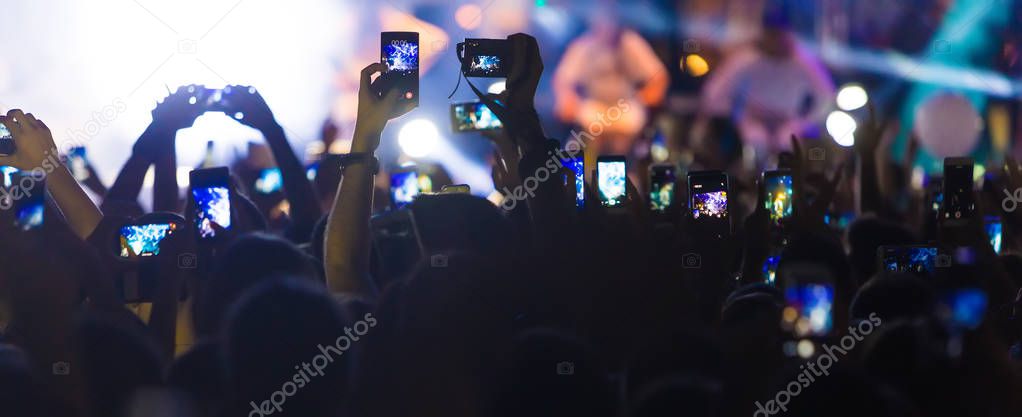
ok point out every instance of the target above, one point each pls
(841, 127)
(851, 97)
(696, 65)
(469, 16)
(497, 87)
(418, 138)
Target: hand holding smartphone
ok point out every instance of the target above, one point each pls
(399, 51)
(959, 202)
(612, 177)
(211, 194)
(485, 58)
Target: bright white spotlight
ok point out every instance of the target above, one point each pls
(418, 138)
(497, 87)
(841, 127)
(851, 97)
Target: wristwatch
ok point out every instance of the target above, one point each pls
(350, 159)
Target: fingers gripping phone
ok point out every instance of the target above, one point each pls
(399, 51)
(211, 194)
(612, 177)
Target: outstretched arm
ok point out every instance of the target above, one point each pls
(37, 151)
(305, 210)
(346, 243)
(156, 146)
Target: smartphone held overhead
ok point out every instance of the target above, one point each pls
(211, 195)
(399, 51)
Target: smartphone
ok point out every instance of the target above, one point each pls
(6, 141)
(400, 52)
(808, 299)
(269, 181)
(918, 259)
(473, 116)
(992, 225)
(611, 177)
(777, 194)
(143, 239)
(708, 201)
(577, 166)
(404, 187)
(396, 243)
(77, 163)
(28, 195)
(485, 58)
(211, 194)
(959, 203)
(661, 187)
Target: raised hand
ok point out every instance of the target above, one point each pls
(374, 111)
(810, 215)
(180, 109)
(515, 106)
(247, 101)
(32, 140)
(35, 150)
(869, 135)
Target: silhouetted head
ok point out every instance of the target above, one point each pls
(462, 223)
(199, 375)
(678, 396)
(866, 235)
(247, 261)
(285, 346)
(552, 374)
(116, 359)
(894, 296)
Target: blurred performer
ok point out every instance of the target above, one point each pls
(608, 67)
(771, 89)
